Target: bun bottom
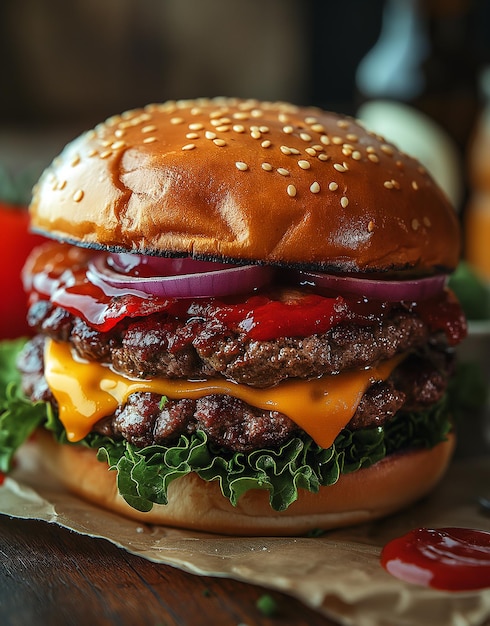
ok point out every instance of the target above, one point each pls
(388, 486)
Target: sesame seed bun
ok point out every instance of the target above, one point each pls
(248, 181)
(388, 486)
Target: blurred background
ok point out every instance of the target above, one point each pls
(68, 65)
(415, 70)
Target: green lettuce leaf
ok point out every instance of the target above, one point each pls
(144, 474)
(19, 417)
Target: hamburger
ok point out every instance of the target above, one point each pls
(241, 319)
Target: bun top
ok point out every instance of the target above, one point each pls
(248, 181)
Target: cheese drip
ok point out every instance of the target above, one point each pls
(87, 392)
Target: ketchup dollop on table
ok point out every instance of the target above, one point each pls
(449, 559)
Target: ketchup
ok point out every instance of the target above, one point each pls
(59, 272)
(449, 559)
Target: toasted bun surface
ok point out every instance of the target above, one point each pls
(248, 181)
(367, 494)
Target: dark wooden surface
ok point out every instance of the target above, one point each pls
(50, 576)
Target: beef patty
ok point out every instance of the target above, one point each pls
(155, 346)
(199, 348)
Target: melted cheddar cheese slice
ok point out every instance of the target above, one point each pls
(87, 392)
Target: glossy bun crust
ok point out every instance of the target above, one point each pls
(386, 487)
(248, 181)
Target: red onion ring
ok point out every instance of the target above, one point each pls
(386, 290)
(142, 265)
(200, 280)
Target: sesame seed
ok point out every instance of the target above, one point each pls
(356, 155)
(266, 144)
(192, 136)
(238, 128)
(310, 120)
(283, 118)
(352, 137)
(315, 187)
(176, 120)
(210, 135)
(264, 129)
(337, 140)
(291, 190)
(282, 171)
(196, 126)
(370, 150)
(339, 167)
(75, 160)
(285, 150)
(343, 124)
(415, 185)
(149, 139)
(387, 150)
(371, 226)
(427, 221)
(148, 129)
(373, 157)
(57, 185)
(304, 165)
(267, 167)
(310, 151)
(189, 146)
(240, 165)
(346, 151)
(305, 136)
(92, 152)
(288, 130)
(344, 201)
(241, 115)
(323, 157)
(256, 134)
(119, 132)
(219, 142)
(388, 184)
(118, 144)
(223, 129)
(333, 186)
(415, 224)
(105, 154)
(325, 140)
(78, 195)
(318, 128)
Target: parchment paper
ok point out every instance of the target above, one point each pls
(338, 574)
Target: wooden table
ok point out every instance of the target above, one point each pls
(50, 576)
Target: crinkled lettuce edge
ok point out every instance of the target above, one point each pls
(144, 474)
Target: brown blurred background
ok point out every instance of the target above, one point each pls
(67, 65)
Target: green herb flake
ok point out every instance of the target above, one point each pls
(267, 605)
